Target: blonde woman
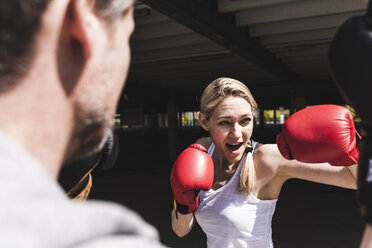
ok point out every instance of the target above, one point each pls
(237, 210)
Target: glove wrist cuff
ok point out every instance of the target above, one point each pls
(183, 209)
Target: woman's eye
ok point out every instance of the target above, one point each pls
(221, 123)
(246, 120)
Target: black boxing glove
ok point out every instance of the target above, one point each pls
(351, 65)
(104, 159)
(364, 193)
(110, 152)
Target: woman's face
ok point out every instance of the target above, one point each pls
(230, 127)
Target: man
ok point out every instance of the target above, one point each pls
(351, 63)
(63, 64)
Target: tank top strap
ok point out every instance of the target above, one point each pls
(254, 146)
(211, 149)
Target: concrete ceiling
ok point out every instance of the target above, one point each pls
(264, 43)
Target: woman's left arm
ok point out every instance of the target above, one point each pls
(325, 173)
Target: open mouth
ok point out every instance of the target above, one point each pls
(234, 146)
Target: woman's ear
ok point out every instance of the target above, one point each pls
(203, 121)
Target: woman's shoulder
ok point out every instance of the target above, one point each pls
(205, 141)
(268, 154)
(268, 161)
(265, 148)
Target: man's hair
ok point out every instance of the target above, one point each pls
(20, 21)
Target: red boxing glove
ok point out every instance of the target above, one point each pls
(192, 171)
(318, 134)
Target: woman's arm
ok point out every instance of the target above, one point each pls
(354, 171)
(316, 172)
(182, 223)
(367, 237)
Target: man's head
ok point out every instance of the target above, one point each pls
(19, 23)
(80, 49)
(96, 98)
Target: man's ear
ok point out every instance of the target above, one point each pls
(203, 121)
(75, 43)
(78, 18)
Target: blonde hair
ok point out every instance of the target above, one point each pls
(215, 93)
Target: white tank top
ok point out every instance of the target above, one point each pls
(231, 219)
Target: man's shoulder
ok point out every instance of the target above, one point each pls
(87, 223)
(118, 226)
(118, 241)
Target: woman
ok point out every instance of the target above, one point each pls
(238, 209)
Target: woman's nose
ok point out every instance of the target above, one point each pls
(236, 130)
